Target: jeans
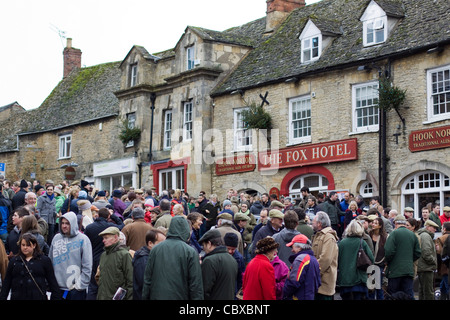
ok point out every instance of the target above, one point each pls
(444, 285)
(75, 294)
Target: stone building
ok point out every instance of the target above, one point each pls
(320, 77)
(166, 95)
(316, 69)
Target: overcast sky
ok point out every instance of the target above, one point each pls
(33, 35)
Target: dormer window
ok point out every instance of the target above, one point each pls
(311, 42)
(310, 49)
(379, 21)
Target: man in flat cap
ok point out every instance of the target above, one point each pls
(408, 212)
(115, 268)
(273, 226)
(428, 260)
(219, 268)
(240, 223)
(445, 217)
(401, 250)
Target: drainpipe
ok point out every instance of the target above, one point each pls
(383, 147)
(152, 107)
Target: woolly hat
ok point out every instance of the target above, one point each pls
(227, 203)
(231, 240)
(265, 245)
(117, 193)
(149, 203)
(101, 193)
(138, 213)
(83, 205)
(82, 194)
(23, 184)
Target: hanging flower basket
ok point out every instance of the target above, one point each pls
(128, 134)
(256, 118)
(389, 96)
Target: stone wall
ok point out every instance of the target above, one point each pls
(91, 142)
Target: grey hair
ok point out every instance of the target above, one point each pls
(323, 218)
(303, 246)
(354, 229)
(226, 221)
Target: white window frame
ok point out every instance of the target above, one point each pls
(377, 26)
(320, 187)
(65, 146)
(190, 57)
(307, 47)
(167, 137)
(414, 186)
(367, 189)
(131, 117)
(188, 110)
(375, 113)
(433, 91)
(175, 173)
(240, 133)
(305, 110)
(133, 74)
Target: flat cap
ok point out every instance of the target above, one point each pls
(110, 230)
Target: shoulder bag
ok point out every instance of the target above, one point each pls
(28, 270)
(362, 259)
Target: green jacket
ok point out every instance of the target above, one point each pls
(116, 270)
(333, 212)
(173, 269)
(401, 250)
(428, 258)
(305, 229)
(348, 274)
(219, 271)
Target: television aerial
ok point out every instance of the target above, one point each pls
(61, 33)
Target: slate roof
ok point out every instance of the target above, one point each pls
(422, 25)
(85, 95)
(249, 34)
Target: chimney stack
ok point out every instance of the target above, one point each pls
(72, 58)
(278, 10)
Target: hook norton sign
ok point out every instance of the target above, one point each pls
(428, 139)
(332, 151)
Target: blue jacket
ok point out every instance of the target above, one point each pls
(303, 281)
(5, 209)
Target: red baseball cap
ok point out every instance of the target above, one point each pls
(300, 238)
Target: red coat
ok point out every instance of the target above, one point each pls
(444, 218)
(259, 280)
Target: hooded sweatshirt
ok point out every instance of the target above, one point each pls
(173, 269)
(71, 256)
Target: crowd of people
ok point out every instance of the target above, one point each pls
(74, 242)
